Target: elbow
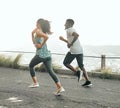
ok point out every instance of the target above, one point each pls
(46, 38)
(32, 34)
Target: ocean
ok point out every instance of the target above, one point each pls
(92, 57)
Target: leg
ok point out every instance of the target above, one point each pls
(68, 59)
(48, 65)
(79, 58)
(34, 62)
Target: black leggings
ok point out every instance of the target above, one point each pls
(47, 62)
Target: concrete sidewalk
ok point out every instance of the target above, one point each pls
(14, 91)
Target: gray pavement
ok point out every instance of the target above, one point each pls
(14, 91)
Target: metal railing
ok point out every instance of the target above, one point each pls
(102, 57)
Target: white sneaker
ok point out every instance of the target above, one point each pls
(60, 90)
(34, 85)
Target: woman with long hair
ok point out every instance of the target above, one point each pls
(39, 39)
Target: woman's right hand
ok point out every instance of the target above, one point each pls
(33, 32)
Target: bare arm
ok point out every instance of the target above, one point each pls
(63, 39)
(33, 32)
(41, 35)
(74, 39)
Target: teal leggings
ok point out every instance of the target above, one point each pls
(47, 62)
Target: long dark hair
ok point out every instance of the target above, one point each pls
(45, 25)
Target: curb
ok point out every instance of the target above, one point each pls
(114, 76)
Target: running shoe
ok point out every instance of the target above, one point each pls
(34, 85)
(59, 91)
(87, 84)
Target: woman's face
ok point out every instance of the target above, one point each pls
(38, 25)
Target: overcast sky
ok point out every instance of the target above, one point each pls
(97, 21)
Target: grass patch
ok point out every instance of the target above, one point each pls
(106, 73)
(106, 70)
(8, 61)
(5, 61)
(16, 61)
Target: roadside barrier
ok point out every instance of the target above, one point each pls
(102, 57)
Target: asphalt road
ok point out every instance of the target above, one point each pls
(14, 91)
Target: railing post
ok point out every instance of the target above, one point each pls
(103, 62)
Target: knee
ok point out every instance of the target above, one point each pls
(81, 67)
(64, 63)
(30, 65)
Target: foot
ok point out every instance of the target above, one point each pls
(87, 84)
(78, 73)
(60, 90)
(34, 85)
